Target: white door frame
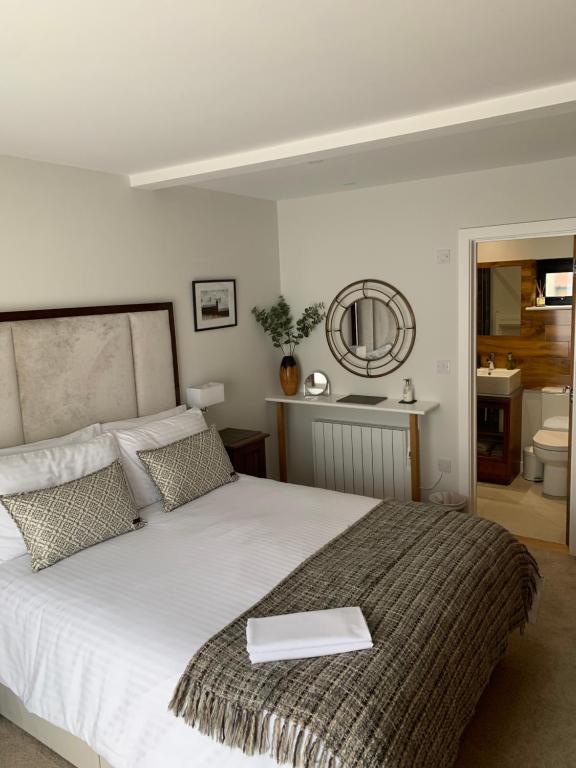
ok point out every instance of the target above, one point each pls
(467, 241)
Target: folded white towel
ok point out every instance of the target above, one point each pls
(306, 653)
(303, 635)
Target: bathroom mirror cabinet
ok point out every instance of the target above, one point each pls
(499, 300)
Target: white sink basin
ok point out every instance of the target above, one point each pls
(498, 381)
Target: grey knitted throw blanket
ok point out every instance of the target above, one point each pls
(441, 591)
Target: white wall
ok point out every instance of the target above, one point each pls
(531, 416)
(392, 233)
(70, 237)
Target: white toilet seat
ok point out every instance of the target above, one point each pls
(551, 440)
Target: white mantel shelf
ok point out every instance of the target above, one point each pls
(419, 408)
(413, 411)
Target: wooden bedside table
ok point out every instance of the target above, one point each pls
(247, 450)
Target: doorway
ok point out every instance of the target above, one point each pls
(516, 336)
(523, 383)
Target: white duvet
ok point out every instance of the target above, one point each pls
(96, 643)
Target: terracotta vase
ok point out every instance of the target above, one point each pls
(289, 375)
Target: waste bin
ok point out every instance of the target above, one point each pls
(449, 499)
(532, 468)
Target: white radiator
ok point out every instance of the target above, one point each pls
(362, 458)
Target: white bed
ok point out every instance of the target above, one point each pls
(96, 643)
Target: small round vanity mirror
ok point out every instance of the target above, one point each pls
(315, 384)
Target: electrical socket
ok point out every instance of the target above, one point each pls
(443, 366)
(445, 465)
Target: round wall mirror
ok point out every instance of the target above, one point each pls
(370, 328)
(316, 384)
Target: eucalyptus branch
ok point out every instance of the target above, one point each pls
(278, 323)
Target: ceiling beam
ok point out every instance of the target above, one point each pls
(504, 109)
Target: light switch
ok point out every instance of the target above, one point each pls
(443, 366)
(443, 256)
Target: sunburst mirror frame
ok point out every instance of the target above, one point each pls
(405, 328)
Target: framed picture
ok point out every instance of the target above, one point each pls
(214, 304)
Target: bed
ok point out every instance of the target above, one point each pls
(116, 600)
(91, 649)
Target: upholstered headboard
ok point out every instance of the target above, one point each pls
(62, 369)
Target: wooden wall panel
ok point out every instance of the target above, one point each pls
(542, 351)
(557, 332)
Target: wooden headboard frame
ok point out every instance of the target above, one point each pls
(130, 310)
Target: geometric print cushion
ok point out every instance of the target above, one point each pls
(188, 468)
(57, 522)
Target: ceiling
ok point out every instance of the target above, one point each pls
(209, 93)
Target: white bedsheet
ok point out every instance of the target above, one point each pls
(96, 643)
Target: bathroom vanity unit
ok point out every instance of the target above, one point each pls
(499, 432)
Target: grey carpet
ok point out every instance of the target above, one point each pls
(526, 716)
(18, 750)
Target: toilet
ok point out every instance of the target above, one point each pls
(551, 442)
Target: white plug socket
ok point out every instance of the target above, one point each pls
(445, 465)
(443, 367)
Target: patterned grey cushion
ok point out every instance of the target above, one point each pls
(189, 468)
(57, 522)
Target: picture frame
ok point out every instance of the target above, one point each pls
(214, 304)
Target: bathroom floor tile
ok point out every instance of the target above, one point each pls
(523, 509)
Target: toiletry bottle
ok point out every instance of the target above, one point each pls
(408, 391)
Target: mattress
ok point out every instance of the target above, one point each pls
(97, 643)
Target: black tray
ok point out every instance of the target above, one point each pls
(362, 399)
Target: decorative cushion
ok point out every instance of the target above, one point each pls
(32, 470)
(189, 468)
(152, 435)
(58, 522)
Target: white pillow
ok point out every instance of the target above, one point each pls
(80, 436)
(156, 434)
(33, 470)
(139, 421)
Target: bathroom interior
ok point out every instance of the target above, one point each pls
(524, 383)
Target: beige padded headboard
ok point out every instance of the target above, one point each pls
(61, 370)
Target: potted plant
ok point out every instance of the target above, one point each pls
(278, 323)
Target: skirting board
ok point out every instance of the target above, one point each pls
(66, 745)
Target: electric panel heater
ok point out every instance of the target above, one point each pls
(368, 459)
